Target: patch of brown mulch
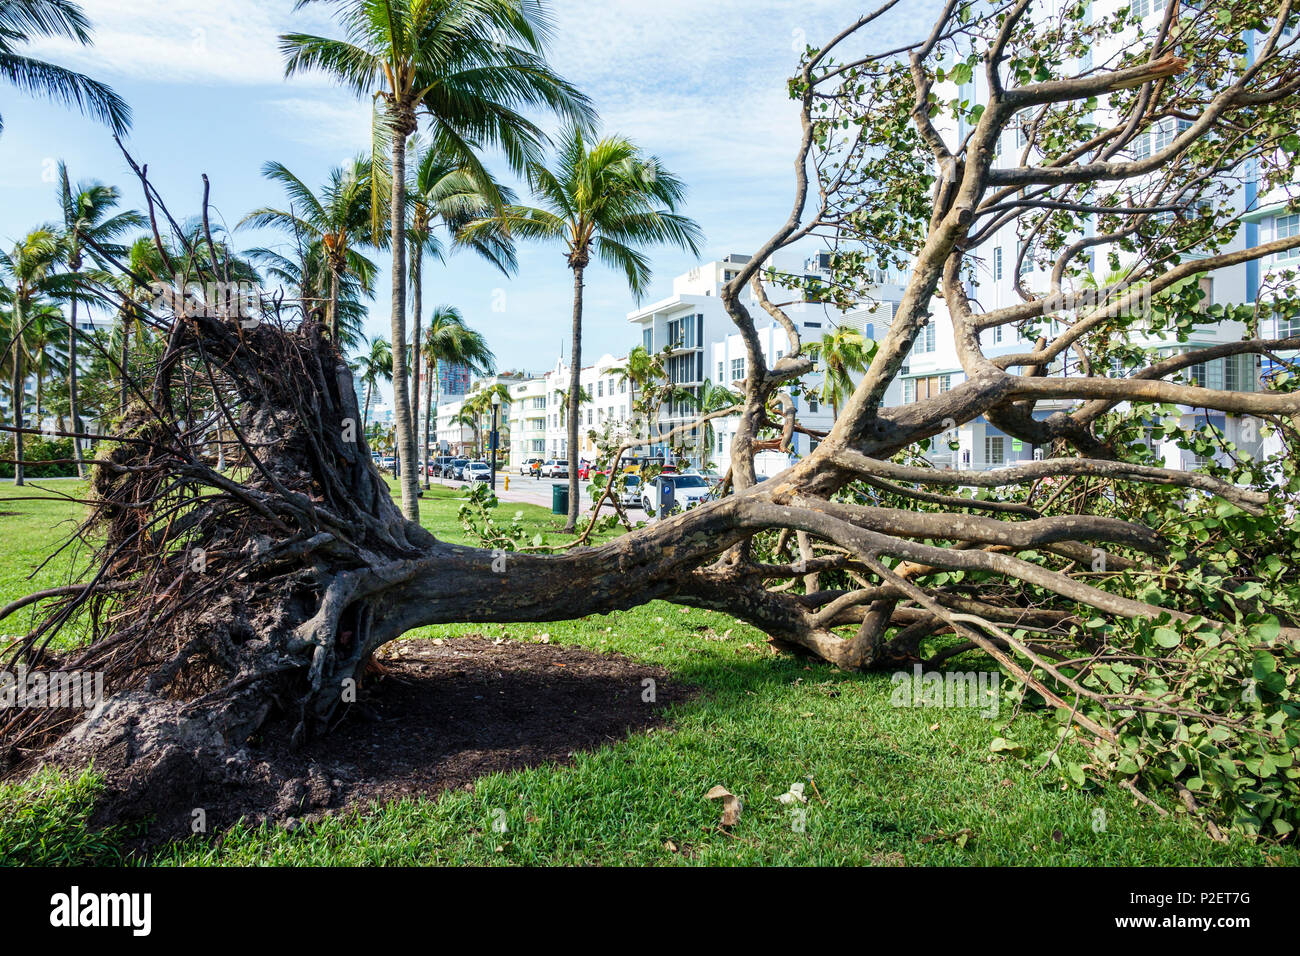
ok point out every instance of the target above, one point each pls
(437, 716)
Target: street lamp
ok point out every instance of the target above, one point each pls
(496, 408)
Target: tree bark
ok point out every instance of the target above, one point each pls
(401, 396)
(334, 305)
(72, 388)
(124, 358)
(16, 390)
(430, 383)
(575, 393)
(416, 256)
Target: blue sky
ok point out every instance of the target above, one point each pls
(702, 85)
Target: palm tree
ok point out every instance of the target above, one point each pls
(480, 403)
(609, 200)
(30, 268)
(442, 192)
(143, 261)
(86, 215)
(330, 224)
(20, 21)
(841, 353)
(470, 66)
(450, 340)
(373, 365)
(467, 417)
(711, 398)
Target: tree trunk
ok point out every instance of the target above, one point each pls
(124, 358)
(423, 451)
(72, 389)
(334, 306)
(575, 393)
(365, 415)
(430, 383)
(16, 389)
(401, 396)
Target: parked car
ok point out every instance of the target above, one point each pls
(476, 471)
(437, 465)
(555, 468)
(529, 465)
(454, 467)
(668, 494)
(585, 470)
(630, 496)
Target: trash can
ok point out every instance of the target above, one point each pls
(559, 499)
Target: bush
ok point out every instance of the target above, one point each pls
(35, 451)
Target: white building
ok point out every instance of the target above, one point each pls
(933, 366)
(708, 348)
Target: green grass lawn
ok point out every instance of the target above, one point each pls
(885, 785)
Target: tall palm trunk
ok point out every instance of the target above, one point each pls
(575, 390)
(365, 412)
(401, 396)
(430, 383)
(72, 388)
(334, 306)
(125, 357)
(17, 393)
(415, 360)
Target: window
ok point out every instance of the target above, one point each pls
(737, 369)
(1239, 373)
(589, 416)
(1158, 137)
(812, 405)
(720, 373)
(648, 338)
(600, 388)
(622, 386)
(994, 453)
(997, 262)
(925, 338)
(1144, 8)
(539, 401)
(1288, 326)
(1285, 227)
(928, 386)
(686, 332)
(995, 334)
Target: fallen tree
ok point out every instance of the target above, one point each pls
(224, 602)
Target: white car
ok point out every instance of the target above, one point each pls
(477, 471)
(668, 494)
(630, 497)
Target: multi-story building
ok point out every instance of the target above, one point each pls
(1003, 261)
(527, 418)
(705, 347)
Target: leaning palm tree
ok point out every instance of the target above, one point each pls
(608, 199)
(29, 267)
(711, 398)
(371, 367)
(87, 215)
(449, 340)
(20, 22)
(444, 193)
(841, 354)
(470, 67)
(332, 223)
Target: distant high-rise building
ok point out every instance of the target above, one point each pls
(453, 378)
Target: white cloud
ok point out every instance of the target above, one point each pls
(193, 41)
